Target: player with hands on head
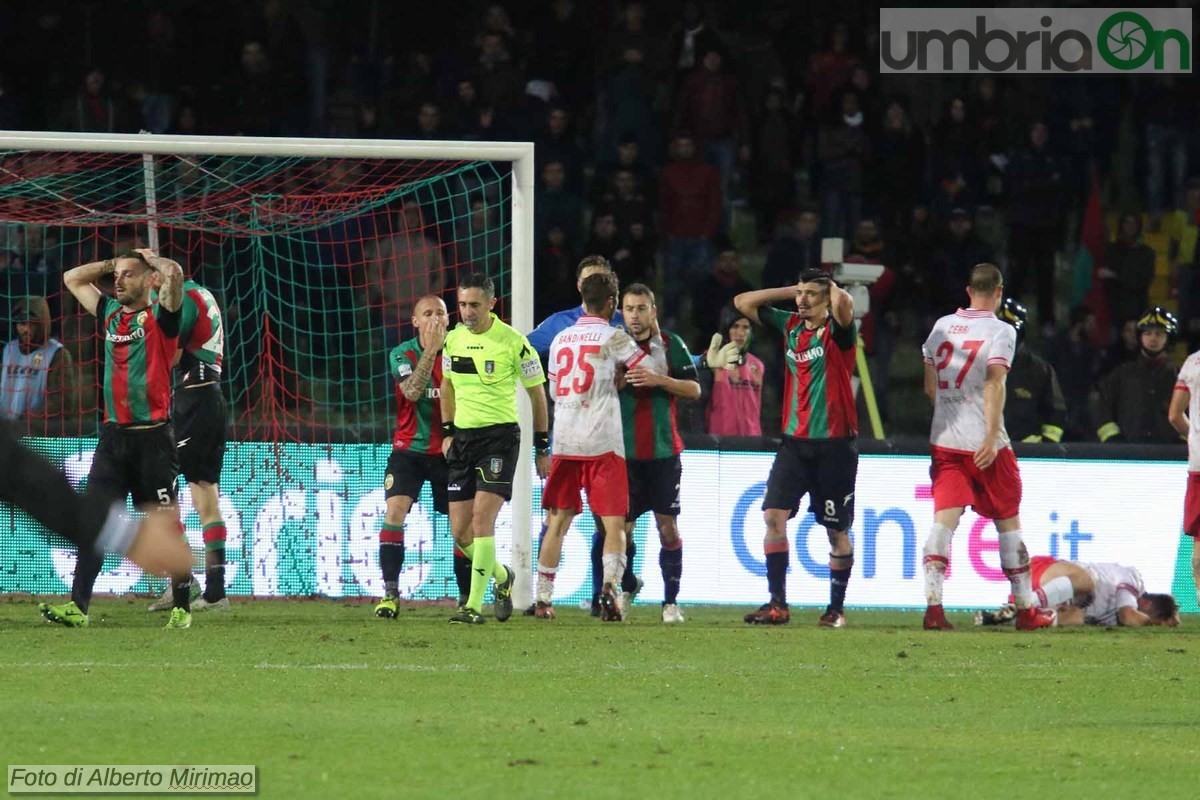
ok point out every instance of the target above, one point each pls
(818, 454)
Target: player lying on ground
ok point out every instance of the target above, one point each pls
(1083, 593)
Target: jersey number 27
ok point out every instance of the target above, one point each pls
(945, 353)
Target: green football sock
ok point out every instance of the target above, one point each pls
(499, 572)
(483, 559)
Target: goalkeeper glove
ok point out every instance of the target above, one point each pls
(719, 357)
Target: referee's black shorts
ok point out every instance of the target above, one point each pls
(482, 460)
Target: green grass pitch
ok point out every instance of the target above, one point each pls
(329, 702)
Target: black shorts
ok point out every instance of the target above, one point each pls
(141, 463)
(654, 486)
(407, 472)
(199, 418)
(482, 460)
(825, 470)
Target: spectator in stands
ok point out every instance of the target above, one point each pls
(629, 157)
(869, 100)
(955, 161)
(467, 117)
(479, 244)
(843, 151)
(1162, 109)
(554, 261)
(605, 241)
(774, 151)
(796, 248)
(732, 398)
(689, 40)
(499, 79)
(1128, 269)
(990, 119)
(1076, 363)
(951, 263)
(91, 109)
(1184, 245)
(689, 215)
(629, 207)
(1135, 396)
(831, 69)
(402, 268)
(565, 50)
(634, 222)
(897, 169)
(35, 373)
(429, 122)
(557, 143)
(625, 106)
(1037, 196)
(254, 106)
(556, 207)
(1125, 348)
(715, 293)
(710, 107)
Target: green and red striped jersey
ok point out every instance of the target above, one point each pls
(818, 401)
(138, 349)
(648, 415)
(201, 337)
(419, 424)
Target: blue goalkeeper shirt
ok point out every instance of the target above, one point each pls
(543, 335)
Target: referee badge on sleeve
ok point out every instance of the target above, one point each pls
(489, 367)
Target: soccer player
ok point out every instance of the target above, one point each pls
(967, 358)
(416, 447)
(1184, 415)
(652, 440)
(818, 455)
(35, 371)
(1106, 594)
(136, 452)
(91, 520)
(483, 359)
(588, 445)
(716, 357)
(199, 417)
(540, 339)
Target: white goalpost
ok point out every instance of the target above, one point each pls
(521, 209)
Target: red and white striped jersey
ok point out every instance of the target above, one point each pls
(582, 370)
(960, 348)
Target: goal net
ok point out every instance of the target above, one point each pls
(315, 252)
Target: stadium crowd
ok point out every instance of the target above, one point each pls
(704, 149)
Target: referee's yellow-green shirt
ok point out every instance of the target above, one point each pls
(484, 368)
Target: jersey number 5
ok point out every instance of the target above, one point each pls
(945, 353)
(567, 361)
